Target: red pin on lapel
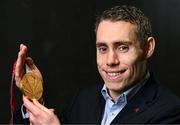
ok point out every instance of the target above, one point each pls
(136, 110)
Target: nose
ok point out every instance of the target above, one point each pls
(112, 59)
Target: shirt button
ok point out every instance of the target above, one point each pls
(112, 114)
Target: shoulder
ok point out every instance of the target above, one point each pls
(166, 104)
(165, 96)
(167, 100)
(167, 107)
(159, 91)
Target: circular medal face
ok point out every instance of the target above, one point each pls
(31, 86)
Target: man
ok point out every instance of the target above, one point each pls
(130, 94)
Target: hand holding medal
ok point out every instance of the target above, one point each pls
(28, 77)
(29, 80)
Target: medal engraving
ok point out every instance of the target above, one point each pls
(31, 86)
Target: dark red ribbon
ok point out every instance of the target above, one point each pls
(12, 97)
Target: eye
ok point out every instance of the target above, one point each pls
(123, 48)
(102, 49)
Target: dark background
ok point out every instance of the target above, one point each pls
(60, 37)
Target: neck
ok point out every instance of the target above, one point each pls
(114, 95)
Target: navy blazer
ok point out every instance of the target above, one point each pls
(151, 104)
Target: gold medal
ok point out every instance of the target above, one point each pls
(31, 86)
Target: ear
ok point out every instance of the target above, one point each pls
(150, 46)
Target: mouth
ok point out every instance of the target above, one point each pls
(114, 75)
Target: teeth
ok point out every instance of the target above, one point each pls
(113, 74)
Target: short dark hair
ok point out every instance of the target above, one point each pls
(128, 14)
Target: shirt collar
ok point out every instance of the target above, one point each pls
(120, 99)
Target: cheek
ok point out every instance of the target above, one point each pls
(134, 58)
(131, 63)
(141, 53)
(100, 60)
(135, 68)
(99, 65)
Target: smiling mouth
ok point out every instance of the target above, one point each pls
(114, 75)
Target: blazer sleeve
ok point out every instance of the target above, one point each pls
(18, 118)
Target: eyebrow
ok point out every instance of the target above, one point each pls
(98, 44)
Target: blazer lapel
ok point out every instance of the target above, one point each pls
(99, 106)
(99, 111)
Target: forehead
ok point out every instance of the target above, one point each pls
(109, 31)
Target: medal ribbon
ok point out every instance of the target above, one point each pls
(12, 97)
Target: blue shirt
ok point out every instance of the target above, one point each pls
(112, 108)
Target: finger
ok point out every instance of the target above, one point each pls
(31, 118)
(21, 46)
(19, 69)
(52, 110)
(33, 67)
(21, 56)
(39, 105)
(30, 106)
(30, 63)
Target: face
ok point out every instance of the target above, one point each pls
(119, 55)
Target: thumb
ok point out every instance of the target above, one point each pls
(33, 68)
(30, 63)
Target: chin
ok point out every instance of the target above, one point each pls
(116, 87)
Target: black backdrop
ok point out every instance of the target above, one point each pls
(61, 40)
